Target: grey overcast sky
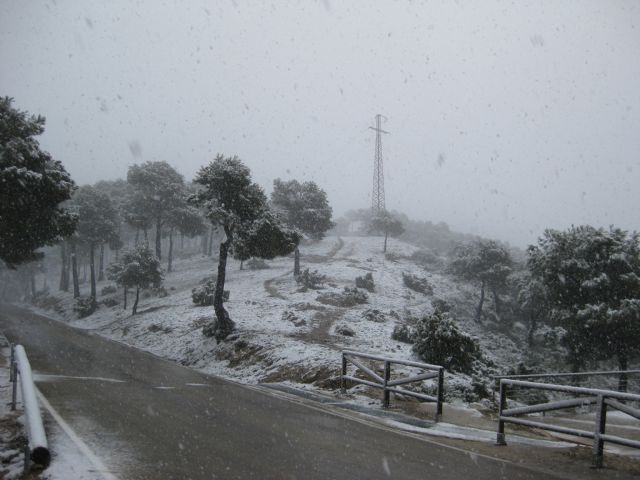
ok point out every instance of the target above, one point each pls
(505, 117)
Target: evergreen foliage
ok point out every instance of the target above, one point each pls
(592, 277)
(388, 224)
(239, 207)
(138, 268)
(32, 188)
(437, 340)
(486, 262)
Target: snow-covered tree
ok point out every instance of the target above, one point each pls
(137, 268)
(32, 187)
(186, 220)
(302, 206)
(386, 223)
(593, 280)
(97, 223)
(159, 189)
(486, 262)
(235, 204)
(532, 303)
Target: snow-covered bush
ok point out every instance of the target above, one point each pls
(441, 305)
(349, 297)
(109, 289)
(403, 333)
(439, 341)
(85, 306)
(202, 295)
(426, 258)
(109, 302)
(374, 315)
(257, 264)
(310, 280)
(366, 282)
(417, 284)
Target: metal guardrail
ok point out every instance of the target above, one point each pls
(393, 386)
(37, 450)
(603, 399)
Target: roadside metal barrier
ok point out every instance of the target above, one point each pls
(37, 450)
(393, 386)
(574, 376)
(603, 399)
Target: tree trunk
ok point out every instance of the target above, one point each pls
(241, 264)
(137, 236)
(479, 309)
(210, 251)
(170, 254)
(32, 282)
(92, 265)
(159, 238)
(386, 234)
(181, 241)
(74, 270)
(533, 325)
(146, 235)
(296, 262)
(496, 301)
(205, 245)
(125, 298)
(223, 325)
(84, 272)
(101, 267)
(64, 272)
(622, 366)
(134, 310)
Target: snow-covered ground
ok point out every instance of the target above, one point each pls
(285, 334)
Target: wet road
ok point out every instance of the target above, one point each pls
(147, 418)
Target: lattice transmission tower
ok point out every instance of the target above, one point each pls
(377, 198)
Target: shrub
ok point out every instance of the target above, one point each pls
(366, 282)
(426, 258)
(109, 302)
(374, 315)
(202, 295)
(85, 306)
(438, 341)
(417, 284)
(257, 264)
(392, 257)
(312, 280)
(441, 305)
(108, 290)
(403, 333)
(349, 297)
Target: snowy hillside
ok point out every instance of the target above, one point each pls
(285, 334)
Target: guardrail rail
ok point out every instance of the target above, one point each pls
(388, 385)
(37, 450)
(603, 399)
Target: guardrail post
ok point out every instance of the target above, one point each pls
(14, 391)
(387, 376)
(343, 386)
(13, 359)
(601, 423)
(500, 438)
(440, 394)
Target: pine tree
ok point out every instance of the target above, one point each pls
(32, 187)
(386, 223)
(592, 277)
(483, 261)
(159, 190)
(137, 268)
(235, 204)
(304, 207)
(97, 223)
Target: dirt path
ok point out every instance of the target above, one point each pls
(323, 321)
(271, 289)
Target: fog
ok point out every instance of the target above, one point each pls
(505, 119)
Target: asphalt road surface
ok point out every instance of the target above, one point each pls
(147, 418)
